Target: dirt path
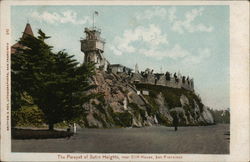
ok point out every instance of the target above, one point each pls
(198, 140)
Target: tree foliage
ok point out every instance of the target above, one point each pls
(221, 116)
(55, 81)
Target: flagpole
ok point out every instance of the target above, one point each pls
(95, 12)
(93, 20)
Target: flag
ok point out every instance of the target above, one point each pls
(96, 13)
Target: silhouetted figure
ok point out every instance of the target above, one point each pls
(155, 80)
(68, 131)
(167, 75)
(183, 79)
(158, 77)
(175, 75)
(176, 79)
(175, 122)
(129, 72)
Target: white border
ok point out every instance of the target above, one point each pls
(239, 79)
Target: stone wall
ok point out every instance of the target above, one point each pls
(160, 79)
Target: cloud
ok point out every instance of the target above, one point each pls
(201, 55)
(151, 41)
(131, 40)
(190, 62)
(188, 24)
(147, 41)
(115, 50)
(67, 16)
(177, 24)
(151, 13)
(174, 53)
(172, 14)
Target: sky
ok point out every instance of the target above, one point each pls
(192, 40)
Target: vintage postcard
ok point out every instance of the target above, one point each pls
(125, 81)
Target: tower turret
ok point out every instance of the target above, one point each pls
(93, 47)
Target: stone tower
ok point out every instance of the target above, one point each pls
(93, 47)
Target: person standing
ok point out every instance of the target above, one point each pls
(175, 122)
(74, 127)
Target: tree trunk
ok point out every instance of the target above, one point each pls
(51, 126)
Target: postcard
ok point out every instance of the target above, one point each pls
(125, 81)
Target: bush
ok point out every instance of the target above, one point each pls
(28, 116)
(163, 120)
(137, 111)
(99, 118)
(123, 119)
(153, 107)
(221, 116)
(38, 134)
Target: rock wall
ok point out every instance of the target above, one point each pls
(117, 104)
(161, 80)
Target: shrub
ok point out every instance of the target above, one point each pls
(28, 116)
(99, 118)
(38, 134)
(153, 107)
(123, 119)
(137, 110)
(163, 120)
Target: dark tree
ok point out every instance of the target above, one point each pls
(55, 81)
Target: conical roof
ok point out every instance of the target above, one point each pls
(27, 30)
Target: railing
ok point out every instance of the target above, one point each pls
(100, 39)
(162, 81)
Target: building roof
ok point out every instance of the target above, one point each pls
(15, 46)
(119, 65)
(27, 31)
(116, 65)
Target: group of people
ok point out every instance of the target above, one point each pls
(168, 77)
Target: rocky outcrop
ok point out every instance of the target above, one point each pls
(118, 103)
(207, 116)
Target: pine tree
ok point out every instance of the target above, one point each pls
(55, 81)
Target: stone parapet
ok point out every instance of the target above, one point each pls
(161, 79)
